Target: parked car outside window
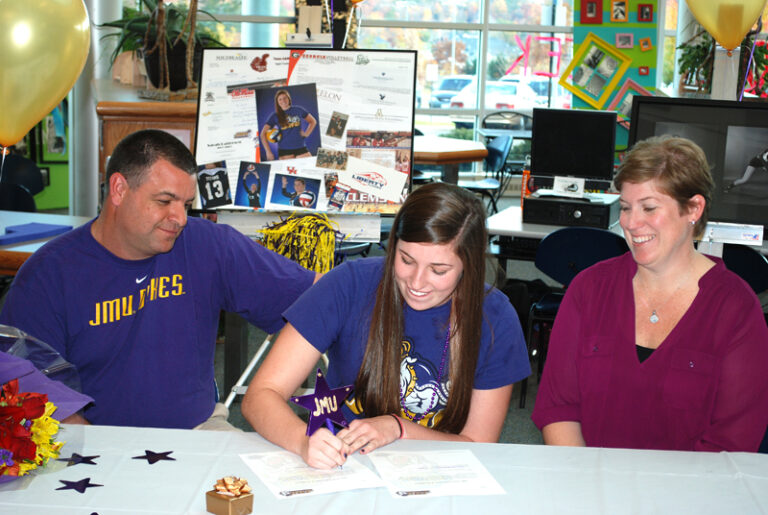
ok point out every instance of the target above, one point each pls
(498, 95)
(448, 87)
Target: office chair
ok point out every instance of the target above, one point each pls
(561, 255)
(22, 171)
(497, 175)
(14, 197)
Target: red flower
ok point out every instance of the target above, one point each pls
(17, 410)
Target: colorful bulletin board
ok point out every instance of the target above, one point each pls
(615, 52)
(621, 31)
(305, 129)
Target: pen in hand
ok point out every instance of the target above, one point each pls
(332, 429)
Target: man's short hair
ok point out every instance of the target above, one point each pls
(137, 152)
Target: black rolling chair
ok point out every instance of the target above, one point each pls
(14, 197)
(496, 171)
(561, 255)
(22, 171)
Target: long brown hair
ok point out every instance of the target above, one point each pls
(437, 213)
(282, 118)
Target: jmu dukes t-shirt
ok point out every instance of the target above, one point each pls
(142, 332)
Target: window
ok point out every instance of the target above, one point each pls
(529, 39)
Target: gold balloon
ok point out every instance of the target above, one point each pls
(728, 21)
(43, 48)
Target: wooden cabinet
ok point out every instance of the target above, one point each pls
(120, 112)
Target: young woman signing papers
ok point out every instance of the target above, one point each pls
(663, 347)
(431, 350)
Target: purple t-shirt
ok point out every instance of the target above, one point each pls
(334, 316)
(141, 333)
(704, 388)
(291, 131)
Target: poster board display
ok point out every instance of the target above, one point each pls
(305, 129)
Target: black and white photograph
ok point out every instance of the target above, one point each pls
(618, 10)
(593, 57)
(595, 85)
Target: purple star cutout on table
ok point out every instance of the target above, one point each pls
(76, 459)
(80, 486)
(154, 457)
(324, 405)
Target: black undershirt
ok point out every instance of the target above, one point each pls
(643, 353)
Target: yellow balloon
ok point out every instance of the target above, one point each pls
(43, 48)
(728, 21)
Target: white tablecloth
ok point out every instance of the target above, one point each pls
(537, 479)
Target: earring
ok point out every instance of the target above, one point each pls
(693, 222)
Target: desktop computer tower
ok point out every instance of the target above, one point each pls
(600, 210)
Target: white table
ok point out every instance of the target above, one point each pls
(448, 153)
(537, 479)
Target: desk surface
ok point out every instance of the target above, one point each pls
(439, 151)
(509, 222)
(13, 256)
(536, 479)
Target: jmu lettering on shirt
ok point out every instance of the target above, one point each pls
(108, 311)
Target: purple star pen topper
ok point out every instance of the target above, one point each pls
(324, 405)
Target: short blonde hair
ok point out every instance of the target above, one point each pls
(679, 167)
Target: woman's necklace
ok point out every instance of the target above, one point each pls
(432, 401)
(654, 318)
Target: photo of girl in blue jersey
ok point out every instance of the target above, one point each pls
(288, 120)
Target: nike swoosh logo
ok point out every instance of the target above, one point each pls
(140, 280)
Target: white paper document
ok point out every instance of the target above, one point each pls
(434, 473)
(286, 475)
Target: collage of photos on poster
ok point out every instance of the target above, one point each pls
(292, 145)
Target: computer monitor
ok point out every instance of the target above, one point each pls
(574, 143)
(734, 137)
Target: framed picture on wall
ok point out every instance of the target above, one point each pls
(26, 146)
(595, 70)
(625, 40)
(622, 102)
(592, 12)
(645, 13)
(618, 11)
(52, 137)
(646, 44)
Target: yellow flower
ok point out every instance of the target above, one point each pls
(43, 430)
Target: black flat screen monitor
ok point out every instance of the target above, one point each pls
(573, 142)
(734, 137)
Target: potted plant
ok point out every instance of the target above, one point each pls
(139, 32)
(697, 58)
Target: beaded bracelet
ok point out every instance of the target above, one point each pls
(399, 423)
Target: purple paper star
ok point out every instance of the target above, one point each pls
(80, 486)
(154, 457)
(324, 405)
(76, 459)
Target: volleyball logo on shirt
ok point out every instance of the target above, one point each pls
(274, 135)
(306, 199)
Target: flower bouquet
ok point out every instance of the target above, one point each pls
(26, 431)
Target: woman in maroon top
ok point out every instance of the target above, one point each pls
(662, 348)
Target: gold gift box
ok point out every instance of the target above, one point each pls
(228, 505)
